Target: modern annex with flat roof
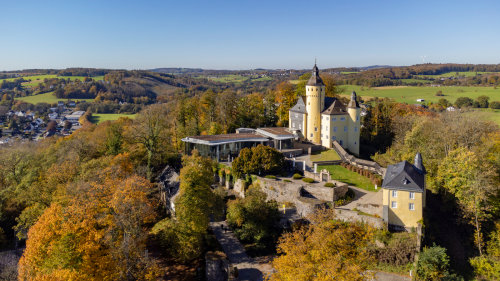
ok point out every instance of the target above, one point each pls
(226, 146)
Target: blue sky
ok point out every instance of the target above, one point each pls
(242, 34)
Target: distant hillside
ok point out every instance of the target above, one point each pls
(177, 70)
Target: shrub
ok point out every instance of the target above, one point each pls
(433, 264)
(439, 93)
(270, 177)
(495, 104)
(463, 102)
(297, 176)
(329, 184)
(308, 180)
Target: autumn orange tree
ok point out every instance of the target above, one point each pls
(327, 249)
(96, 231)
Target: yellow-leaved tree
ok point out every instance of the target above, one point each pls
(326, 249)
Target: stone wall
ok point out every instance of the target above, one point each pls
(348, 215)
(360, 163)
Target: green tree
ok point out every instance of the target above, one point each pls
(482, 101)
(260, 160)
(463, 102)
(254, 219)
(433, 264)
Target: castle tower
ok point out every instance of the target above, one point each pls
(315, 103)
(354, 112)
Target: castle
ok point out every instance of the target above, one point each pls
(323, 120)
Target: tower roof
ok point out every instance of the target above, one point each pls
(419, 163)
(315, 80)
(404, 176)
(334, 107)
(353, 103)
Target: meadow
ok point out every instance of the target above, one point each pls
(410, 94)
(344, 175)
(46, 97)
(101, 117)
(457, 74)
(36, 79)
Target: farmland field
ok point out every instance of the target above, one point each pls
(98, 118)
(35, 79)
(457, 74)
(486, 114)
(236, 79)
(46, 97)
(410, 94)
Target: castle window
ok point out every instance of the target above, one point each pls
(334, 119)
(334, 129)
(412, 207)
(345, 128)
(315, 129)
(357, 118)
(326, 118)
(333, 138)
(296, 115)
(412, 195)
(394, 204)
(300, 127)
(321, 135)
(308, 103)
(342, 118)
(394, 193)
(327, 128)
(355, 129)
(293, 125)
(311, 135)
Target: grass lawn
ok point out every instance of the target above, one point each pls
(410, 94)
(486, 114)
(327, 155)
(101, 117)
(46, 97)
(352, 178)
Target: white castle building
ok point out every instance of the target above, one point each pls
(322, 120)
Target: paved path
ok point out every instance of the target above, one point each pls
(248, 268)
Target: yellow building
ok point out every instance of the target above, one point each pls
(404, 194)
(322, 120)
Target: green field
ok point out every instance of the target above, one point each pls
(98, 118)
(410, 94)
(352, 178)
(327, 155)
(416, 81)
(36, 79)
(46, 97)
(486, 114)
(457, 74)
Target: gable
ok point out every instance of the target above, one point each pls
(300, 106)
(404, 176)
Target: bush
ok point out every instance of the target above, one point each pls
(463, 102)
(346, 199)
(439, 93)
(329, 184)
(495, 104)
(308, 180)
(297, 176)
(433, 264)
(270, 177)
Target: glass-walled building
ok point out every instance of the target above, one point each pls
(226, 147)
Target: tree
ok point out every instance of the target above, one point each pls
(468, 178)
(150, 130)
(182, 236)
(482, 101)
(433, 264)
(487, 267)
(254, 219)
(463, 102)
(95, 232)
(260, 159)
(326, 249)
(286, 98)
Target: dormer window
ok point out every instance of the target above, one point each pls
(406, 181)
